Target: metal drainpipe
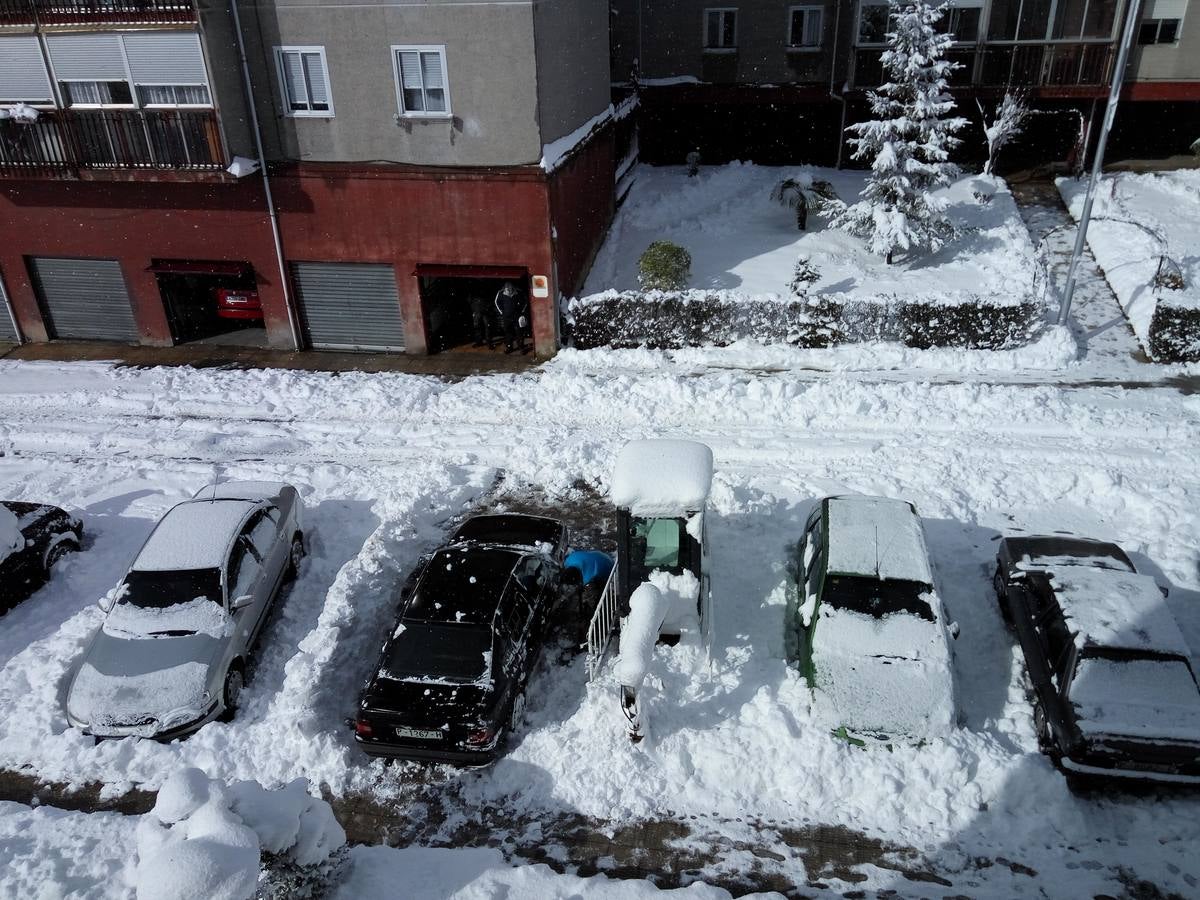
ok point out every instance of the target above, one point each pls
(248, 85)
(837, 28)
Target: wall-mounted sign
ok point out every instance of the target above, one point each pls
(539, 286)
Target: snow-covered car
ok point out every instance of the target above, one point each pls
(172, 652)
(1114, 691)
(871, 633)
(33, 537)
(450, 682)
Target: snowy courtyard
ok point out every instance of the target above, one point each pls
(739, 782)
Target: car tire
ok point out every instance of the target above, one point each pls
(1001, 599)
(296, 553)
(1041, 727)
(57, 552)
(231, 692)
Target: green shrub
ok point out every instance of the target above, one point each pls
(664, 267)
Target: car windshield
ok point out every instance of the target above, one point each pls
(658, 542)
(423, 652)
(162, 590)
(877, 597)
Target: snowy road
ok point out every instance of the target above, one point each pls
(384, 462)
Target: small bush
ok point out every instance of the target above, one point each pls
(664, 267)
(805, 274)
(1175, 332)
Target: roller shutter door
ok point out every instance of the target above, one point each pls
(84, 298)
(7, 331)
(349, 306)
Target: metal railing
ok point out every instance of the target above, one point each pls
(603, 624)
(96, 12)
(61, 141)
(1045, 65)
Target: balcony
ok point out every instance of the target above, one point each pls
(1047, 66)
(96, 12)
(64, 143)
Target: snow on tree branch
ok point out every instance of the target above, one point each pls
(1007, 122)
(908, 142)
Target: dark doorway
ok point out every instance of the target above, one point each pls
(211, 302)
(450, 303)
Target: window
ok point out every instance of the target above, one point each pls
(805, 26)
(96, 93)
(961, 21)
(1159, 31)
(23, 76)
(661, 540)
(422, 83)
(265, 531)
(720, 29)
(874, 21)
(244, 569)
(153, 68)
(304, 81)
(173, 95)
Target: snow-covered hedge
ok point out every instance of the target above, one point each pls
(670, 320)
(1175, 331)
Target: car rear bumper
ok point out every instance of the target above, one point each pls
(1127, 774)
(427, 753)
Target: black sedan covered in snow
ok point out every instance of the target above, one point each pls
(1115, 694)
(33, 537)
(450, 682)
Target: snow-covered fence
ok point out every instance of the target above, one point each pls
(604, 621)
(670, 320)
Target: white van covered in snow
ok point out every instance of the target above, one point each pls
(871, 634)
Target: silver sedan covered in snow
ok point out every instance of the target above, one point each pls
(171, 654)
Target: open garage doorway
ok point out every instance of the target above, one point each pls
(211, 302)
(459, 303)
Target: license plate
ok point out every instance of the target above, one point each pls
(419, 733)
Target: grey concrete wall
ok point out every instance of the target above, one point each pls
(1171, 62)
(224, 68)
(673, 41)
(490, 70)
(571, 41)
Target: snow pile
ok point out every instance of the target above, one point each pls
(11, 539)
(204, 839)
(1119, 610)
(199, 615)
(682, 592)
(662, 477)
(639, 634)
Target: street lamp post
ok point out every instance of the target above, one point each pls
(1110, 112)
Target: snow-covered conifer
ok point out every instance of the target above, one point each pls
(908, 141)
(1007, 122)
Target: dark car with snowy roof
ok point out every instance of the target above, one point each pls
(450, 682)
(871, 635)
(33, 537)
(172, 651)
(1114, 691)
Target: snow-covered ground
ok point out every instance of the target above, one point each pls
(1136, 218)
(734, 756)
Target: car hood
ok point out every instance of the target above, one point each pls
(125, 682)
(886, 676)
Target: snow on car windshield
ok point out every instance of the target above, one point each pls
(877, 598)
(1136, 696)
(440, 653)
(169, 604)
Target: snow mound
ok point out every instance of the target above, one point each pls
(662, 477)
(199, 615)
(639, 633)
(204, 840)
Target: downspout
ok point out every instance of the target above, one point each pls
(248, 85)
(837, 30)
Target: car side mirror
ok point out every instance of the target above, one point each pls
(107, 602)
(954, 630)
(241, 602)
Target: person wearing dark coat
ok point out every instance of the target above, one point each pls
(512, 309)
(481, 320)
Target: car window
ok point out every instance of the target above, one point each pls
(264, 530)
(530, 575)
(663, 541)
(244, 569)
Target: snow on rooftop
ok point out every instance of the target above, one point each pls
(878, 537)
(1116, 609)
(241, 490)
(656, 477)
(193, 535)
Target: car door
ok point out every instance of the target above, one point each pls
(245, 577)
(266, 534)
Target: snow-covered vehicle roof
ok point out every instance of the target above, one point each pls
(241, 490)
(193, 535)
(661, 477)
(877, 537)
(1116, 610)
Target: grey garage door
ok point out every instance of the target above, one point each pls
(349, 306)
(84, 298)
(7, 331)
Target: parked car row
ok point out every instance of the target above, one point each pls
(1112, 684)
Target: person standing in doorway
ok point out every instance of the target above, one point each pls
(481, 319)
(511, 307)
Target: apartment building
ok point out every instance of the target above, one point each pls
(778, 81)
(418, 154)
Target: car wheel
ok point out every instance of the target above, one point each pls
(57, 552)
(1041, 726)
(232, 692)
(517, 715)
(295, 555)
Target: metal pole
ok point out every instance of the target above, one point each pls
(262, 165)
(1114, 94)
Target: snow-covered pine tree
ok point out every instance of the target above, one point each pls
(908, 141)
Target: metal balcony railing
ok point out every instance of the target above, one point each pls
(65, 141)
(1046, 65)
(96, 12)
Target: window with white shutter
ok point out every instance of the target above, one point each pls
(422, 86)
(151, 68)
(304, 81)
(23, 77)
(805, 25)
